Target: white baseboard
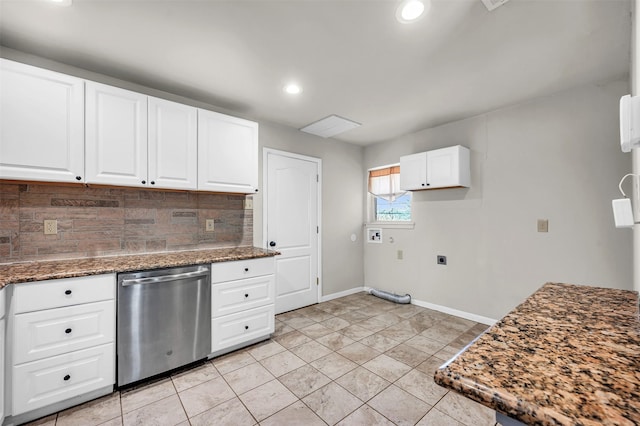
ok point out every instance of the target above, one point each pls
(455, 312)
(450, 311)
(341, 294)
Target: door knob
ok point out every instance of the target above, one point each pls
(272, 244)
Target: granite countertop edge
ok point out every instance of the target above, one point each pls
(465, 372)
(504, 403)
(30, 271)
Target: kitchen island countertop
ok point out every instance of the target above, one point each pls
(568, 355)
(21, 272)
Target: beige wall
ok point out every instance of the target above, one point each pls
(555, 158)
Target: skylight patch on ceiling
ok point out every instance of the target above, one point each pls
(493, 4)
(330, 126)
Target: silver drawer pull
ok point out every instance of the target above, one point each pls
(165, 278)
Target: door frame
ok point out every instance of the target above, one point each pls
(265, 219)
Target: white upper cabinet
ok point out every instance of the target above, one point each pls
(173, 145)
(116, 136)
(413, 171)
(440, 168)
(41, 124)
(58, 128)
(227, 153)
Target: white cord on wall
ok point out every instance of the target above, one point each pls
(637, 186)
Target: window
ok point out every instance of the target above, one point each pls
(398, 210)
(388, 203)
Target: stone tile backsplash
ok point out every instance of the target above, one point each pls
(98, 221)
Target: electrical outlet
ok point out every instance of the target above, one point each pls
(50, 227)
(209, 225)
(400, 255)
(248, 203)
(543, 225)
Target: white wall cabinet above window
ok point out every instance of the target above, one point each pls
(173, 145)
(41, 124)
(440, 168)
(116, 137)
(227, 153)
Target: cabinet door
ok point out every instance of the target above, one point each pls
(173, 145)
(413, 171)
(445, 167)
(51, 380)
(237, 296)
(43, 334)
(227, 153)
(242, 327)
(41, 124)
(116, 141)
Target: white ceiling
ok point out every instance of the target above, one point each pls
(352, 57)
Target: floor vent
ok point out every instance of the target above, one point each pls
(493, 4)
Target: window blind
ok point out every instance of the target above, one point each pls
(385, 183)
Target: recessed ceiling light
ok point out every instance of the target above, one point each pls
(411, 10)
(292, 89)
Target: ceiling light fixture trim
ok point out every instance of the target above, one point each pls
(292, 89)
(411, 10)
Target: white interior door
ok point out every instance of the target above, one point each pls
(292, 226)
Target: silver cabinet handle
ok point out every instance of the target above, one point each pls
(165, 278)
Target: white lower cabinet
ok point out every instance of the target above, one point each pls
(62, 340)
(56, 331)
(243, 295)
(45, 382)
(2, 363)
(233, 330)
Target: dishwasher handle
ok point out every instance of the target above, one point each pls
(165, 278)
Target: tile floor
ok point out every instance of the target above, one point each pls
(357, 360)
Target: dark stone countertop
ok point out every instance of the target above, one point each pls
(21, 272)
(568, 355)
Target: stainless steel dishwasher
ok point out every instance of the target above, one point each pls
(164, 320)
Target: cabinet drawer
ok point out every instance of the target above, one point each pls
(41, 383)
(37, 335)
(235, 296)
(64, 292)
(239, 269)
(238, 328)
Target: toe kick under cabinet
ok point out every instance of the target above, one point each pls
(242, 295)
(62, 334)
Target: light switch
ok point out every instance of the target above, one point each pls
(543, 225)
(209, 225)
